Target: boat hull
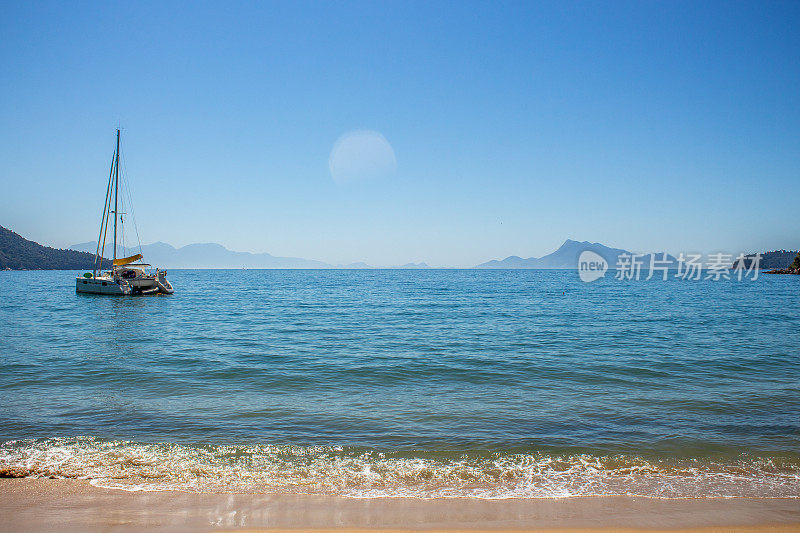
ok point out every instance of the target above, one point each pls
(124, 287)
(100, 286)
(142, 284)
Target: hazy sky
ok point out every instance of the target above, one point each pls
(463, 131)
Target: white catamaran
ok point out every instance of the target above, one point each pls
(126, 275)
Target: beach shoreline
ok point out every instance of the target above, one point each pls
(75, 505)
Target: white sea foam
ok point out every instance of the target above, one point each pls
(370, 474)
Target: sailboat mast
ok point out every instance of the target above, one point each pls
(116, 204)
(103, 223)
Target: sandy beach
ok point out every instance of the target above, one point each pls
(75, 505)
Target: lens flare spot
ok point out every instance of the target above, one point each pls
(361, 156)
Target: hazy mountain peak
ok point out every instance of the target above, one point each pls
(566, 257)
(570, 243)
(162, 245)
(204, 246)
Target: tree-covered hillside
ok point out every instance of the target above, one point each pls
(771, 260)
(17, 253)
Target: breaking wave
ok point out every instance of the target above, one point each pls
(365, 473)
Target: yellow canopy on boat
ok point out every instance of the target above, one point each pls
(126, 260)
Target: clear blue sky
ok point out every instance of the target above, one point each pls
(643, 125)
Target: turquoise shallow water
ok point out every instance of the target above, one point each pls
(406, 383)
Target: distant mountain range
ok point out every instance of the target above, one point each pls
(567, 257)
(212, 255)
(18, 253)
(207, 255)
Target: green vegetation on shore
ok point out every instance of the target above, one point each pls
(774, 260)
(18, 253)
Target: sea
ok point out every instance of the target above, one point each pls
(406, 383)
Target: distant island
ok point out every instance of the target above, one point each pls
(18, 253)
(794, 268)
(567, 257)
(775, 262)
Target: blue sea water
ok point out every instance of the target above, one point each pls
(425, 383)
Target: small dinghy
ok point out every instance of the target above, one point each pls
(164, 286)
(127, 276)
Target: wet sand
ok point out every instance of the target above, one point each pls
(73, 505)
